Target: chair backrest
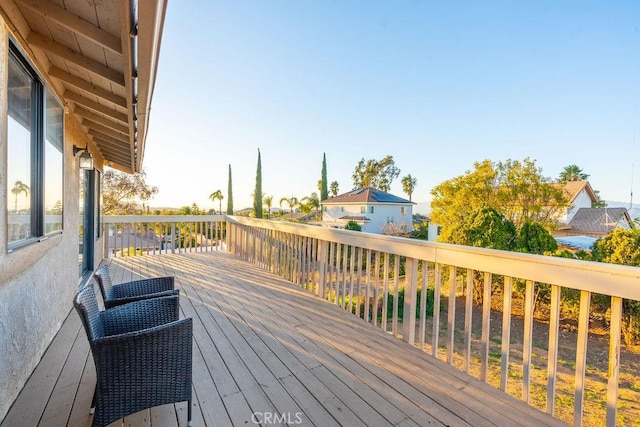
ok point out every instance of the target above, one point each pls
(103, 278)
(87, 306)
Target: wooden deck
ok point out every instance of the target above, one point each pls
(268, 352)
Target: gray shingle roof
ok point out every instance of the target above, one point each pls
(366, 195)
(597, 220)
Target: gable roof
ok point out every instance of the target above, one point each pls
(573, 188)
(598, 220)
(366, 195)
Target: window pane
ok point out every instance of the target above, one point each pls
(53, 161)
(19, 148)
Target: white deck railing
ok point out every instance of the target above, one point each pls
(129, 235)
(368, 273)
(361, 271)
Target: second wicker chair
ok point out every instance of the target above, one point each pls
(136, 290)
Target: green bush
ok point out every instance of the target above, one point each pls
(430, 299)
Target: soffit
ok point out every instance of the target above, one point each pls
(102, 57)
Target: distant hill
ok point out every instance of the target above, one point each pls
(634, 212)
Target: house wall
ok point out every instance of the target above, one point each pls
(38, 281)
(582, 200)
(382, 213)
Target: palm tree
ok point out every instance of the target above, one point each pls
(268, 201)
(292, 202)
(19, 187)
(217, 195)
(313, 202)
(572, 173)
(409, 185)
(334, 188)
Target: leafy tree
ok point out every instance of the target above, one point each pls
(353, 226)
(421, 230)
(120, 191)
(334, 187)
(18, 188)
(515, 189)
(229, 195)
(535, 239)
(324, 186)
(257, 194)
(268, 202)
(572, 173)
(217, 195)
(409, 185)
(623, 247)
(292, 202)
(375, 173)
(487, 228)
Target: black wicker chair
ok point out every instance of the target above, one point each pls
(142, 354)
(136, 290)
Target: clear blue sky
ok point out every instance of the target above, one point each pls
(436, 84)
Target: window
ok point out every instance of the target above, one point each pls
(370, 209)
(98, 205)
(341, 208)
(363, 209)
(324, 209)
(403, 210)
(34, 155)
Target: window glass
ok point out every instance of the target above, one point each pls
(370, 209)
(363, 209)
(19, 151)
(98, 205)
(53, 161)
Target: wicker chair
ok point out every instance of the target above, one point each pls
(136, 290)
(142, 354)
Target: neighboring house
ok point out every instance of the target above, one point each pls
(371, 208)
(595, 222)
(76, 75)
(580, 194)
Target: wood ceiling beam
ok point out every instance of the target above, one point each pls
(82, 84)
(125, 145)
(105, 130)
(62, 51)
(97, 118)
(79, 99)
(76, 24)
(111, 147)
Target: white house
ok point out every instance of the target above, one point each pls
(580, 194)
(371, 208)
(76, 82)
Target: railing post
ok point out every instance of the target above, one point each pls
(322, 267)
(173, 237)
(410, 301)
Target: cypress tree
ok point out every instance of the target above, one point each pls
(229, 195)
(324, 191)
(257, 193)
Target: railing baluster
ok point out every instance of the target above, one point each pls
(435, 335)
(344, 276)
(367, 293)
(376, 287)
(352, 262)
(385, 294)
(451, 318)
(396, 285)
(410, 301)
(552, 358)
(468, 318)
(528, 341)
(614, 360)
(486, 324)
(581, 356)
(359, 282)
(423, 302)
(506, 332)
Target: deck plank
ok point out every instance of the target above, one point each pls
(262, 345)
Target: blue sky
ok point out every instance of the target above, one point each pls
(437, 85)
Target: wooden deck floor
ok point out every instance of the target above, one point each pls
(264, 347)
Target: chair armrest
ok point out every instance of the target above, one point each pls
(140, 315)
(110, 303)
(142, 286)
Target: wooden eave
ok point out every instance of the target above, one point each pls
(101, 57)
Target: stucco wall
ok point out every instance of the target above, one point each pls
(382, 213)
(37, 282)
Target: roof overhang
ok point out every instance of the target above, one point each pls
(102, 57)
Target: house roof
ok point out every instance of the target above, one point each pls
(598, 220)
(101, 57)
(366, 195)
(573, 188)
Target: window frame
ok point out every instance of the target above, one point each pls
(38, 140)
